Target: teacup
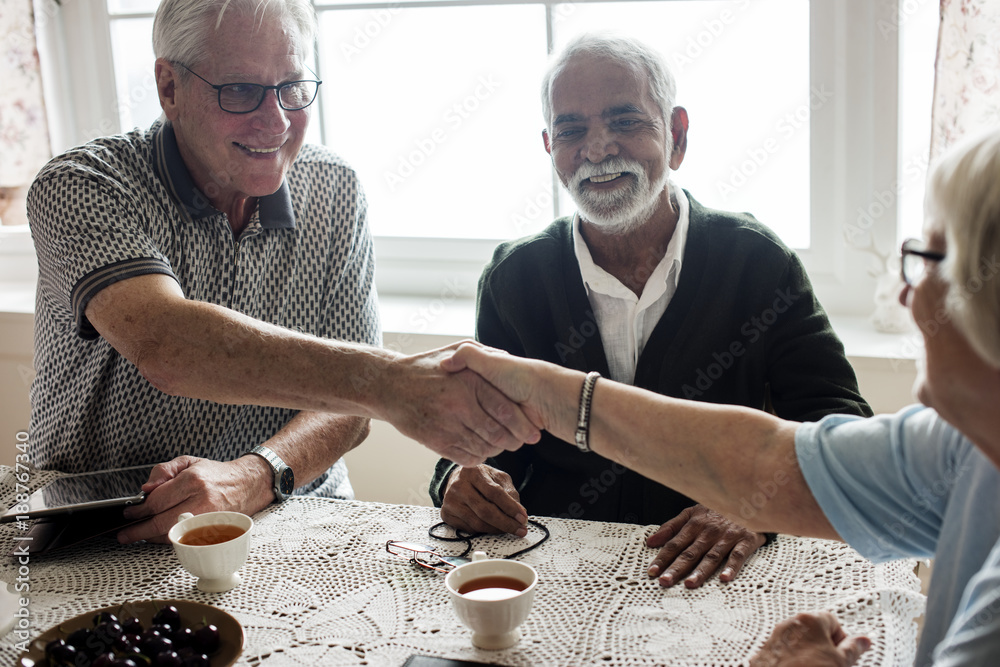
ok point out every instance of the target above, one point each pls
(492, 597)
(212, 546)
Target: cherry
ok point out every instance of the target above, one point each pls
(168, 615)
(206, 639)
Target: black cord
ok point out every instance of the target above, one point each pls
(462, 536)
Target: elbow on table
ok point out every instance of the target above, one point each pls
(158, 365)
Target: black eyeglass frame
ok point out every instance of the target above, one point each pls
(413, 551)
(918, 248)
(277, 91)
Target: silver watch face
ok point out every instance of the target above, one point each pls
(285, 483)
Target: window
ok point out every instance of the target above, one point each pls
(794, 108)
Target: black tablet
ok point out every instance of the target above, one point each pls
(86, 491)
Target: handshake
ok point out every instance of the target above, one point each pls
(466, 402)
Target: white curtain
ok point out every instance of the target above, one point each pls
(967, 78)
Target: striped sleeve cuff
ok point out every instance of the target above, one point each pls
(98, 279)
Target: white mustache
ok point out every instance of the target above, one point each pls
(611, 165)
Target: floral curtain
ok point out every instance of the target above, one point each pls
(24, 135)
(967, 80)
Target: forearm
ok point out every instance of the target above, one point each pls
(737, 461)
(204, 351)
(313, 441)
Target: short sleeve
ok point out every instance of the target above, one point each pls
(88, 229)
(884, 482)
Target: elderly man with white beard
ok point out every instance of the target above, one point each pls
(650, 288)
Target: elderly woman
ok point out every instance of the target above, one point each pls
(921, 483)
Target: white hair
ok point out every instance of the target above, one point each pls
(630, 53)
(964, 195)
(182, 29)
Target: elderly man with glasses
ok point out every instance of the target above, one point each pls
(206, 297)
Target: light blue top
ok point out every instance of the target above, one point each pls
(900, 486)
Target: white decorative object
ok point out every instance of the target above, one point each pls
(890, 315)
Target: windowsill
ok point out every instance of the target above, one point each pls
(862, 341)
(456, 317)
(416, 316)
(17, 298)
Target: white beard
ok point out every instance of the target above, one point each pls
(622, 210)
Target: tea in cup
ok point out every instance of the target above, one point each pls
(492, 597)
(212, 547)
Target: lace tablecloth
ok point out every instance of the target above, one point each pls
(320, 589)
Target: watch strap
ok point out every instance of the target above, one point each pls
(278, 466)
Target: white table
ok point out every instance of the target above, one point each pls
(320, 589)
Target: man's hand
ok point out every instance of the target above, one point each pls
(483, 500)
(810, 640)
(190, 484)
(696, 543)
(459, 415)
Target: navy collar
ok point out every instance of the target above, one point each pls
(275, 210)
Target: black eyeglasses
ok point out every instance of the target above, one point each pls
(247, 97)
(427, 557)
(915, 258)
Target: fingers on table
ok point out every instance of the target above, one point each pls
(483, 499)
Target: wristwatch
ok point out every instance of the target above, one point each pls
(284, 478)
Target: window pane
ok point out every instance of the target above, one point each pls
(438, 110)
(742, 73)
(917, 49)
(132, 6)
(135, 81)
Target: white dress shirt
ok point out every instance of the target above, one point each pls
(624, 319)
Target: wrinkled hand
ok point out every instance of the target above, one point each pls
(459, 415)
(195, 485)
(483, 500)
(810, 640)
(696, 543)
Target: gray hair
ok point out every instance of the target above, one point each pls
(182, 29)
(630, 53)
(964, 195)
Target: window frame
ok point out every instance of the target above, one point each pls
(853, 139)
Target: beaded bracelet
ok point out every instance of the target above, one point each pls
(583, 416)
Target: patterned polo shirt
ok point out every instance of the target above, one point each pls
(125, 206)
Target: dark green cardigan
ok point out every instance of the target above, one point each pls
(743, 327)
